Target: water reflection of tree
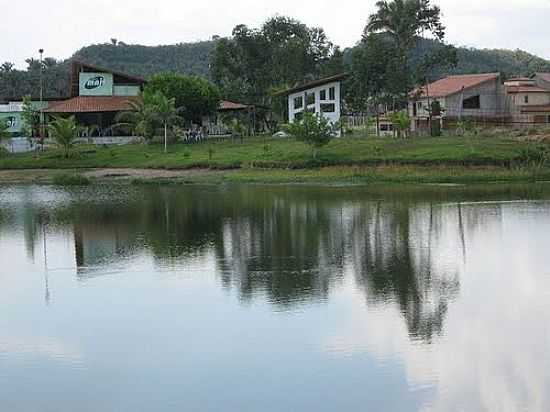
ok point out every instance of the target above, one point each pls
(392, 256)
(288, 246)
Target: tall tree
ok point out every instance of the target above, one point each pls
(165, 110)
(30, 118)
(283, 51)
(374, 79)
(404, 21)
(194, 97)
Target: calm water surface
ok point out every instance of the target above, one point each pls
(274, 299)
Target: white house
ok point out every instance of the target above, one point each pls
(323, 97)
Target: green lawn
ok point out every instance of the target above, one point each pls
(282, 154)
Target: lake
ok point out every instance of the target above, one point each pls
(274, 298)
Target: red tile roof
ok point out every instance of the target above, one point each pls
(91, 104)
(454, 84)
(228, 105)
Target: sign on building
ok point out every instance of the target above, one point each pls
(12, 121)
(96, 84)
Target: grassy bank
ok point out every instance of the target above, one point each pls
(347, 161)
(281, 153)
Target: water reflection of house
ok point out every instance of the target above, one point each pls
(97, 245)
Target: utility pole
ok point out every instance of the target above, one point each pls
(41, 51)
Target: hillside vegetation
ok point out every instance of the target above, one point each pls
(184, 58)
(194, 58)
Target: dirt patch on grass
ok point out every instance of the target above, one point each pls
(45, 176)
(127, 173)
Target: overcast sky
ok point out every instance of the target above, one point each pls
(63, 26)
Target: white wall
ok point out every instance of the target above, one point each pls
(535, 99)
(126, 90)
(332, 117)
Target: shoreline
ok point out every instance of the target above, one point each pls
(329, 176)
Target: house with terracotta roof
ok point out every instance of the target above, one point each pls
(97, 95)
(477, 97)
(526, 101)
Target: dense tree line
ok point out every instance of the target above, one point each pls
(145, 61)
(266, 67)
(255, 62)
(14, 84)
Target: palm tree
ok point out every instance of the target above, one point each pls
(404, 20)
(64, 131)
(165, 110)
(140, 118)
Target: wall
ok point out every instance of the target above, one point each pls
(491, 101)
(332, 117)
(535, 99)
(13, 110)
(126, 90)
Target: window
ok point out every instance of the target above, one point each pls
(298, 102)
(415, 112)
(328, 108)
(332, 93)
(526, 99)
(386, 127)
(310, 98)
(471, 103)
(323, 95)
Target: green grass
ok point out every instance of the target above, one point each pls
(387, 174)
(281, 154)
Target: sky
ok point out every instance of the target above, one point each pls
(63, 26)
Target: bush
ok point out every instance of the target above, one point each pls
(71, 180)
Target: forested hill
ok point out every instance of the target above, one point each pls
(507, 62)
(194, 58)
(186, 58)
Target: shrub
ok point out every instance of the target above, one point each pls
(71, 180)
(313, 130)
